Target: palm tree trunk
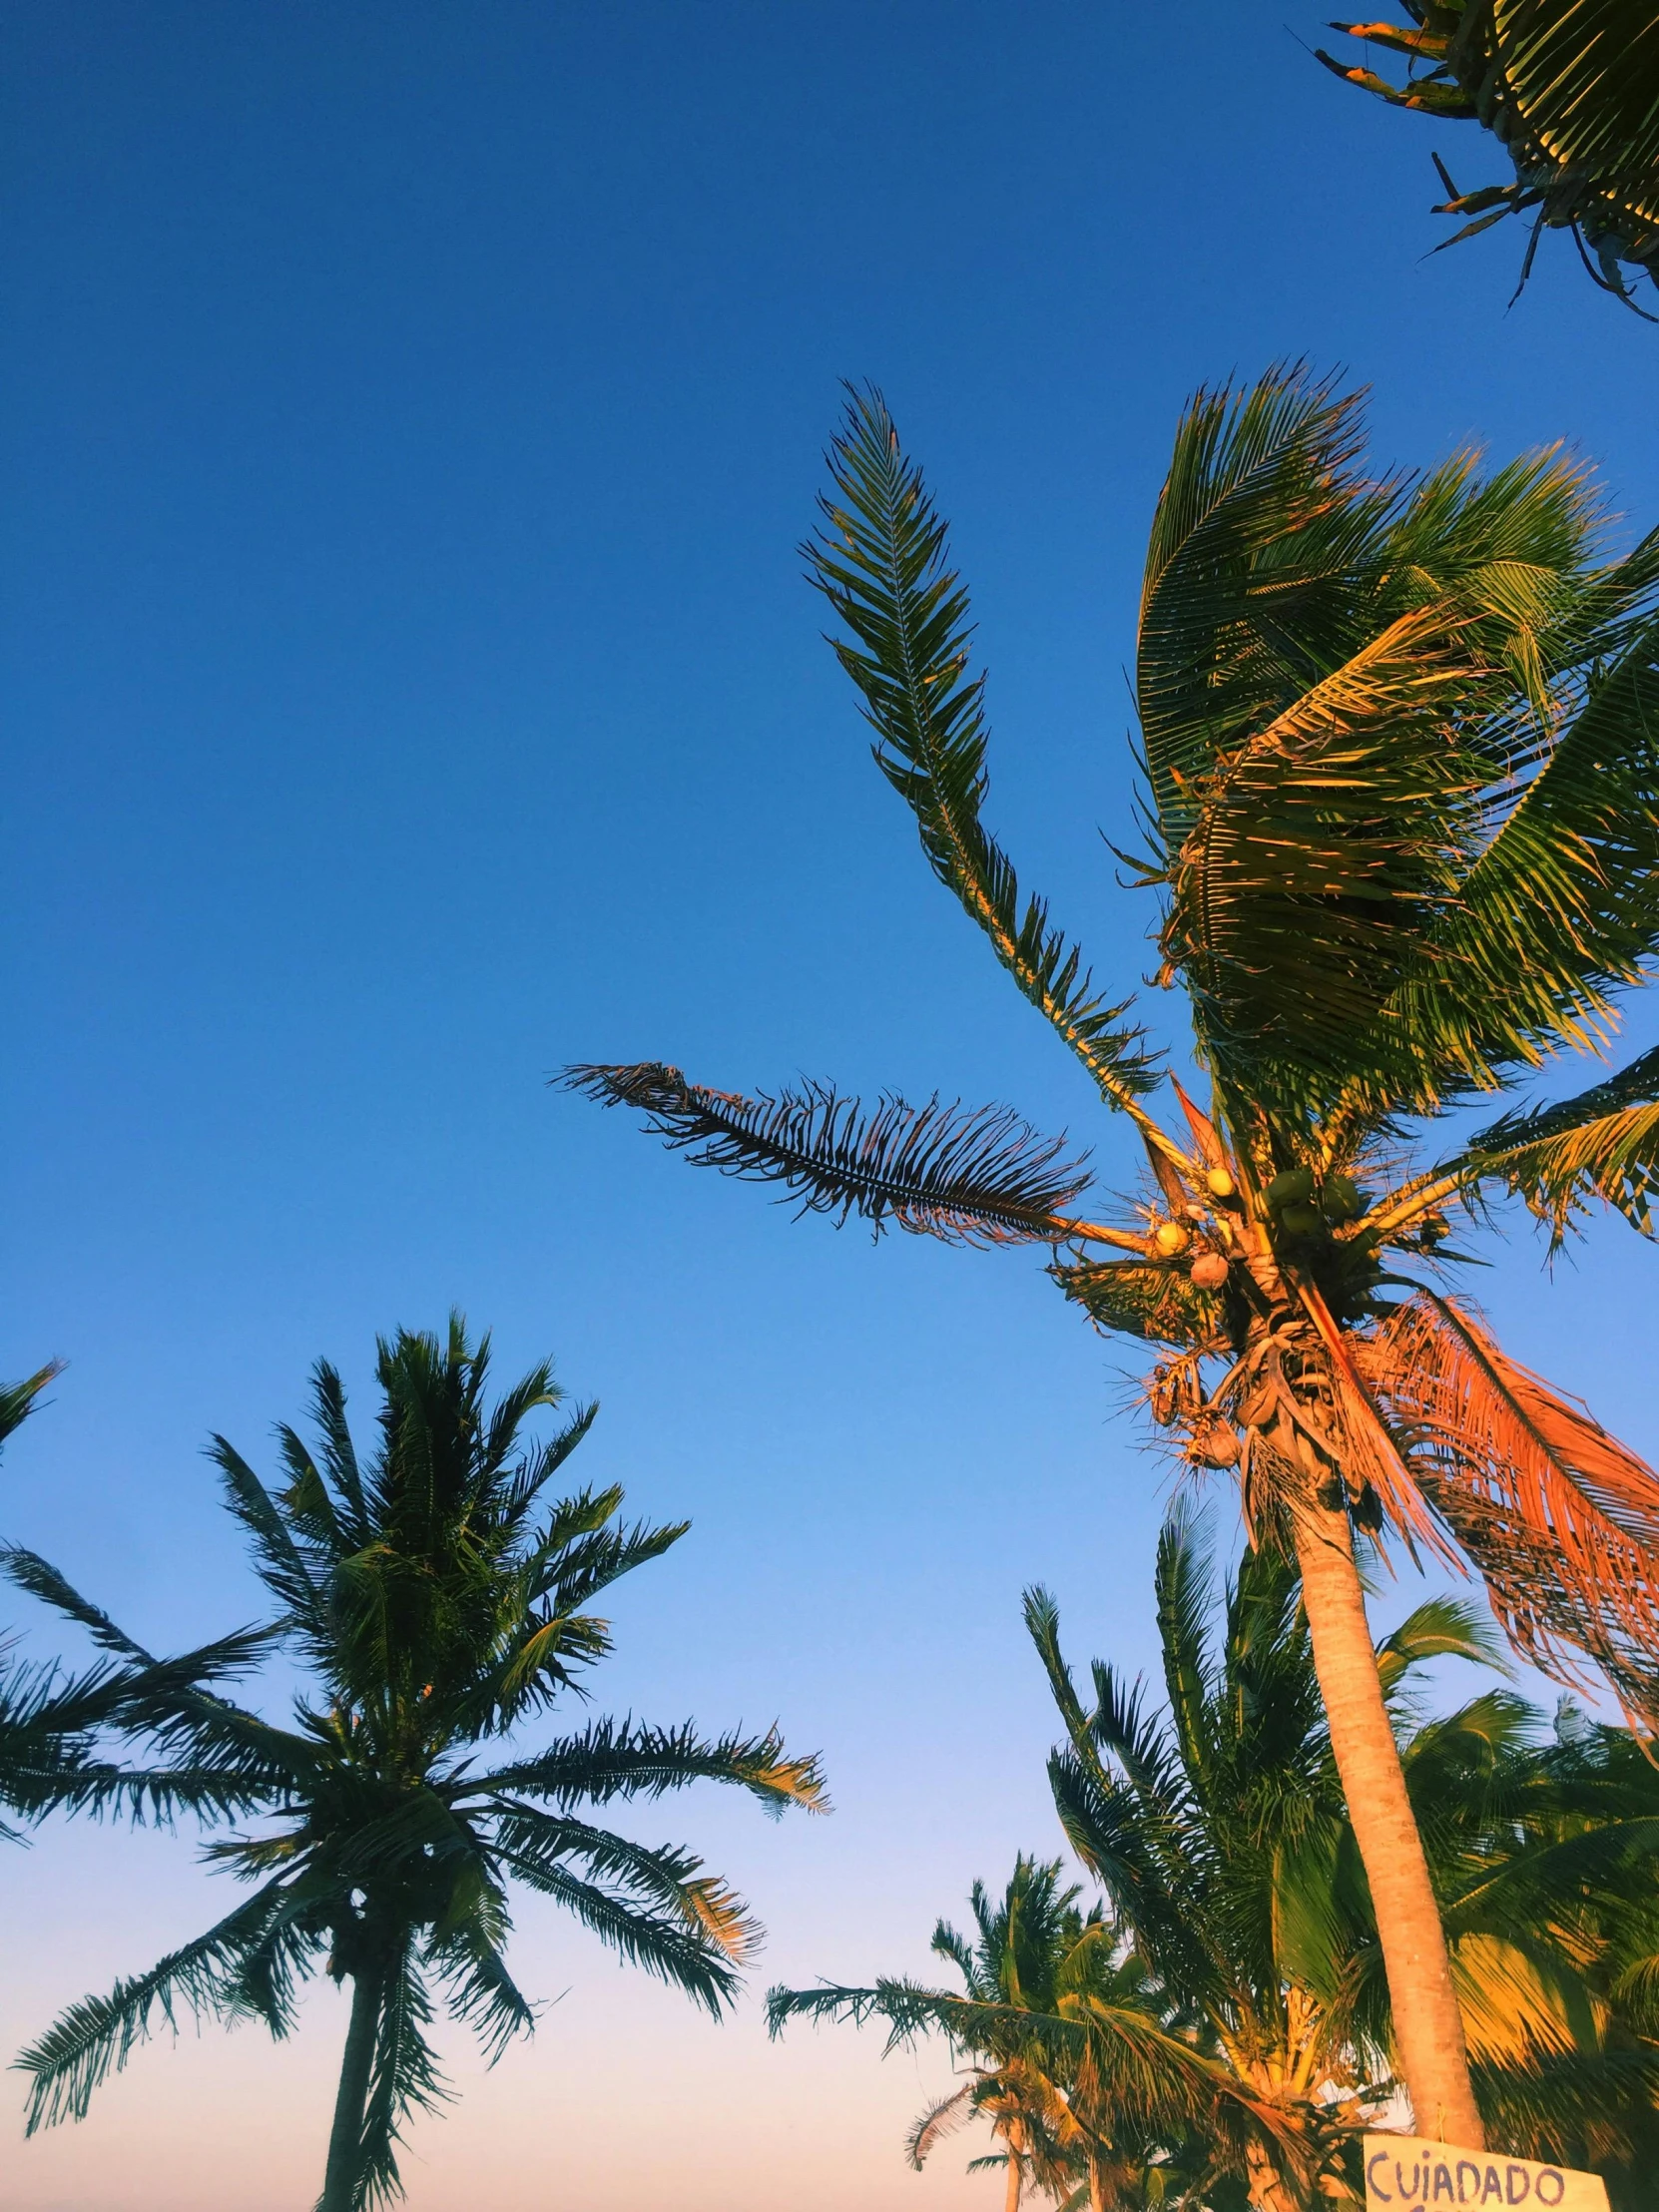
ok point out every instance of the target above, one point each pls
(1429, 2029)
(1010, 2200)
(345, 2138)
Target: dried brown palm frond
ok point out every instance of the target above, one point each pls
(1560, 1518)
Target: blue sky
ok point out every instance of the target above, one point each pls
(409, 416)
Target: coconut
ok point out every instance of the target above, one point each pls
(1293, 1188)
(1210, 1270)
(1169, 1238)
(1341, 1199)
(1221, 1183)
(1300, 1221)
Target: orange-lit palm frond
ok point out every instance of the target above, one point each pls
(1560, 1518)
(970, 1176)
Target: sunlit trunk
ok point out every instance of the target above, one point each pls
(1429, 2029)
(345, 2139)
(1010, 2201)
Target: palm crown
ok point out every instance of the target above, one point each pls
(1401, 742)
(437, 1604)
(1080, 2060)
(1217, 1829)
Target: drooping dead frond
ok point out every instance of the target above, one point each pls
(976, 1176)
(1560, 1518)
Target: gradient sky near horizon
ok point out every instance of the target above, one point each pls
(409, 415)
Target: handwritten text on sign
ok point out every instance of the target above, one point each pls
(1406, 2174)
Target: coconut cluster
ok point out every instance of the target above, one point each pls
(1302, 1206)
(1170, 1239)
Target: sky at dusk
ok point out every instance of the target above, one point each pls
(410, 413)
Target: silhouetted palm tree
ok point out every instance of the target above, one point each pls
(437, 1604)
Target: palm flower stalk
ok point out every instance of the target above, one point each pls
(438, 1603)
(1401, 742)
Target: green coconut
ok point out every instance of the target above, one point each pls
(1342, 1199)
(1300, 1221)
(1294, 1187)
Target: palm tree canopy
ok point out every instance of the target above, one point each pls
(1570, 93)
(1401, 743)
(1074, 2052)
(1217, 1829)
(437, 1602)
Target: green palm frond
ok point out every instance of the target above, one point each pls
(405, 2079)
(611, 1760)
(98, 2035)
(1571, 95)
(1149, 1299)
(1558, 912)
(1602, 1144)
(282, 1562)
(665, 1942)
(19, 1400)
(1401, 756)
(970, 1176)
(882, 562)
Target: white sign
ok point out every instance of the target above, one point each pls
(1406, 2174)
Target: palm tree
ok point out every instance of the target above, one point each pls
(1401, 755)
(1081, 2062)
(437, 1604)
(1571, 93)
(1217, 1829)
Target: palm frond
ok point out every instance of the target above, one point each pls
(939, 2120)
(19, 1400)
(882, 562)
(1561, 1519)
(1152, 1300)
(675, 1945)
(403, 2080)
(1558, 911)
(969, 1176)
(1323, 850)
(661, 1875)
(619, 1758)
(1601, 1144)
(97, 2036)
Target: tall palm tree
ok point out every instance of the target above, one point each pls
(437, 1602)
(1401, 753)
(1079, 2060)
(1217, 1829)
(1571, 93)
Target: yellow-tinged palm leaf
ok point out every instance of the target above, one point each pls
(1516, 2003)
